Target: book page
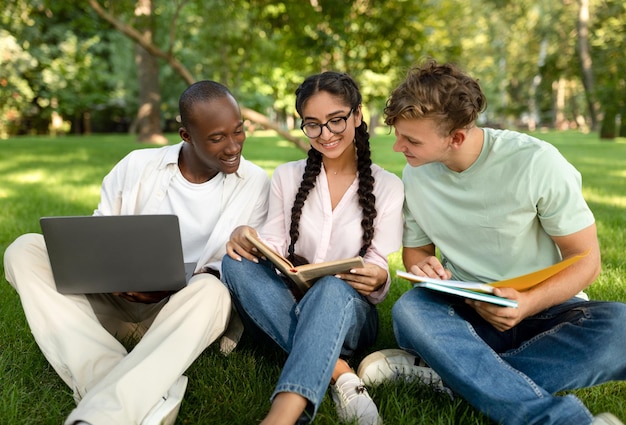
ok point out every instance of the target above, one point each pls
(519, 283)
(529, 280)
(474, 286)
(279, 261)
(493, 299)
(304, 276)
(310, 272)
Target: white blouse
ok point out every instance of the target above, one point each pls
(326, 234)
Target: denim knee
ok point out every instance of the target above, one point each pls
(235, 271)
(334, 294)
(610, 318)
(332, 287)
(229, 267)
(405, 315)
(402, 312)
(617, 314)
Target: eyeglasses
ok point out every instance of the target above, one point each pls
(335, 125)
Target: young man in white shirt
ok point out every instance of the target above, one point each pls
(206, 182)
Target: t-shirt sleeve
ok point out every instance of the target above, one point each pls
(413, 235)
(561, 207)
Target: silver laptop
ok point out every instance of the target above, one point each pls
(124, 253)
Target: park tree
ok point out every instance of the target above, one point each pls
(373, 41)
(149, 126)
(584, 56)
(264, 48)
(559, 61)
(60, 65)
(121, 56)
(15, 90)
(530, 62)
(174, 12)
(607, 38)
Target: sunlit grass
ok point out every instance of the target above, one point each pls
(62, 176)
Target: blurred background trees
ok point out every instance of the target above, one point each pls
(120, 66)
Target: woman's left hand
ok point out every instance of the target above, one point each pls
(366, 279)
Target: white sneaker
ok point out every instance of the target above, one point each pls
(606, 419)
(353, 401)
(393, 364)
(166, 410)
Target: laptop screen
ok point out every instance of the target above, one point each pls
(126, 253)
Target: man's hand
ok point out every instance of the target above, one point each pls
(430, 267)
(144, 297)
(503, 318)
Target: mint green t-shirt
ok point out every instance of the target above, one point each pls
(493, 220)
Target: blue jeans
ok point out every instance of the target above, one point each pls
(330, 321)
(511, 376)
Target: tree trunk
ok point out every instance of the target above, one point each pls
(608, 129)
(149, 113)
(560, 121)
(181, 70)
(584, 56)
(374, 120)
(262, 120)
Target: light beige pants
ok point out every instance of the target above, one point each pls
(80, 336)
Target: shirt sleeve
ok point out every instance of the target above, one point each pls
(561, 207)
(413, 235)
(274, 232)
(112, 189)
(388, 227)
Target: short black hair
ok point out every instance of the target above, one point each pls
(201, 91)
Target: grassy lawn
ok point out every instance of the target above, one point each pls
(61, 176)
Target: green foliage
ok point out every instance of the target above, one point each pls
(61, 176)
(524, 52)
(66, 59)
(610, 62)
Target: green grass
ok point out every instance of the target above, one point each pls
(61, 176)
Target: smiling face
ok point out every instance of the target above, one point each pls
(421, 141)
(322, 107)
(214, 139)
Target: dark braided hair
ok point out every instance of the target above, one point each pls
(343, 86)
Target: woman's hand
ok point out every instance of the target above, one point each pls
(238, 246)
(366, 279)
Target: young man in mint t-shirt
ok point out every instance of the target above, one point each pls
(497, 204)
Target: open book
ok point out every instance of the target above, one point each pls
(305, 275)
(484, 291)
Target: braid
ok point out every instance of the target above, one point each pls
(367, 199)
(344, 87)
(311, 171)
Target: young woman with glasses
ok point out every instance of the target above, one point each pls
(335, 204)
